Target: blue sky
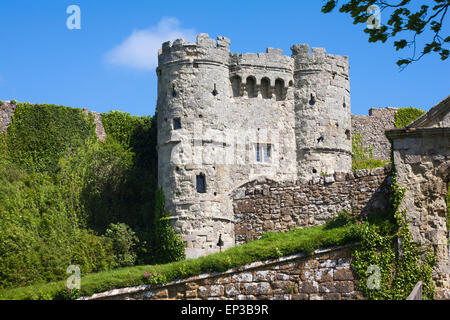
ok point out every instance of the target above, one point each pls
(109, 63)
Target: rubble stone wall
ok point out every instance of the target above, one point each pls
(265, 205)
(325, 275)
(372, 129)
(422, 162)
(7, 110)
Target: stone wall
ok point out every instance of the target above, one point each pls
(422, 161)
(99, 129)
(265, 205)
(7, 109)
(325, 275)
(372, 129)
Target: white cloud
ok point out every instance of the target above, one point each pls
(140, 49)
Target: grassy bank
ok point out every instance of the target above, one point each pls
(338, 231)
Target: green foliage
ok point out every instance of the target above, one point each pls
(40, 134)
(363, 156)
(39, 230)
(272, 245)
(154, 276)
(66, 294)
(66, 196)
(403, 18)
(400, 265)
(133, 203)
(123, 241)
(95, 176)
(167, 245)
(405, 116)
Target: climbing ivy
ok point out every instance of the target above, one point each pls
(40, 134)
(362, 155)
(389, 266)
(405, 116)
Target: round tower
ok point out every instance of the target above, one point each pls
(322, 112)
(193, 91)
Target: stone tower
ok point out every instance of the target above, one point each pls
(225, 119)
(322, 112)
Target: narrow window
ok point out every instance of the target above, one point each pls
(258, 153)
(279, 89)
(176, 123)
(174, 92)
(250, 86)
(267, 153)
(265, 88)
(201, 183)
(312, 100)
(347, 133)
(215, 92)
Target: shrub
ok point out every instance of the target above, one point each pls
(123, 240)
(167, 245)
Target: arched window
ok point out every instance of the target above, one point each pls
(312, 100)
(201, 183)
(279, 89)
(236, 86)
(265, 88)
(250, 87)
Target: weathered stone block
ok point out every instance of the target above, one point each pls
(341, 273)
(308, 287)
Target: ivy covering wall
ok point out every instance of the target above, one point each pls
(67, 198)
(405, 116)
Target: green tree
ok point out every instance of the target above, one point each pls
(167, 245)
(404, 25)
(123, 240)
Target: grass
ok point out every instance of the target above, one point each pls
(271, 246)
(368, 164)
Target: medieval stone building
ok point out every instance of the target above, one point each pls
(226, 119)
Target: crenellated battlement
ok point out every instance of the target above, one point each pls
(204, 48)
(317, 59)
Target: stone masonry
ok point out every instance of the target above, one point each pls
(226, 119)
(7, 110)
(325, 275)
(261, 206)
(372, 129)
(422, 162)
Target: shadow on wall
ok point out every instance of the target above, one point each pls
(262, 206)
